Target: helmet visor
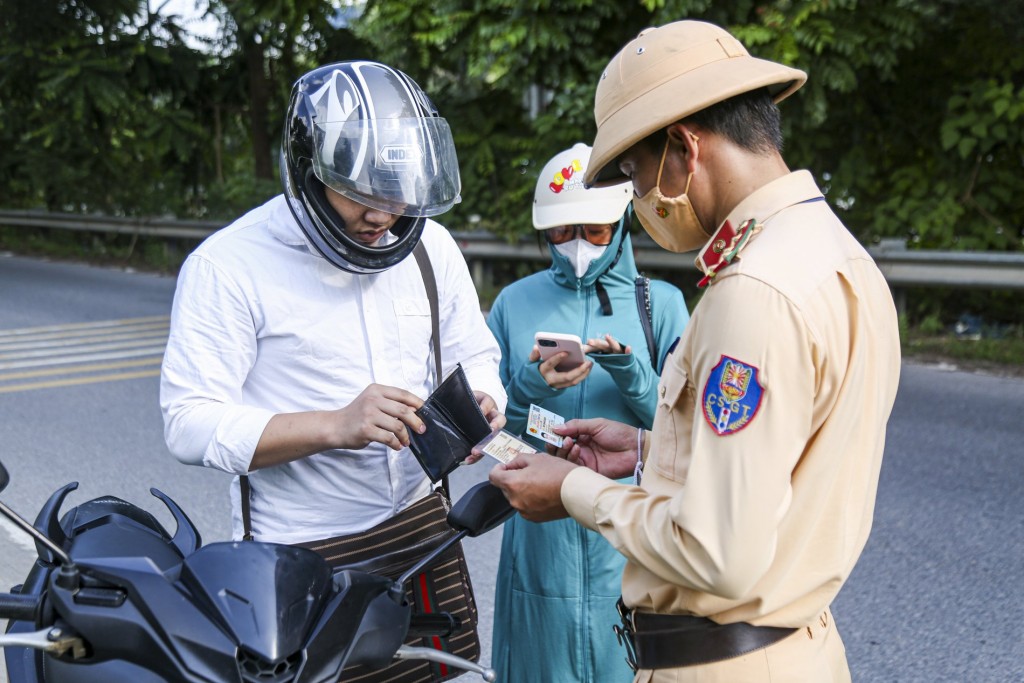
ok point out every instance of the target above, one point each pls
(405, 166)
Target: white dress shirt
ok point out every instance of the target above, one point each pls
(261, 325)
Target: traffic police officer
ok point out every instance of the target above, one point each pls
(759, 477)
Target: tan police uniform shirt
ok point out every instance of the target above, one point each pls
(759, 485)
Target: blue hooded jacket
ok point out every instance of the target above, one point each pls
(558, 582)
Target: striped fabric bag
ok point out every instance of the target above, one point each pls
(390, 548)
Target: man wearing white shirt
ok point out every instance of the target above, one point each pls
(300, 341)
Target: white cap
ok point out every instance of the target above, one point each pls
(560, 197)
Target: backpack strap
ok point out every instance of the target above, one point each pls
(643, 305)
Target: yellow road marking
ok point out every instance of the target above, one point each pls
(77, 380)
(83, 336)
(69, 354)
(88, 358)
(82, 326)
(80, 369)
(45, 351)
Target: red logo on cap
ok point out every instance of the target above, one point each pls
(563, 176)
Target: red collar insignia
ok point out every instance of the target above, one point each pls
(723, 247)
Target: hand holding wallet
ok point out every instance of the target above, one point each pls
(455, 424)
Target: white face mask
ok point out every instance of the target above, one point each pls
(580, 253)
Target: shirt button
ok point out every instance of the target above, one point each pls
(662, 390)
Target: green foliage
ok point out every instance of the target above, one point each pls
(911, 118)
(931, 325)
(237, 194)
(947, 305)
(999, 355)
(91, 107)
(926, 146)
(144, 253)
(515, 80)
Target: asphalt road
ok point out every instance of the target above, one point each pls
(935, 597)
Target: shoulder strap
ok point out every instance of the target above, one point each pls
(243, 485)
(643, 305)
(430, 283)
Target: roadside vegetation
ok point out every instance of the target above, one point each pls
(1001, 356)
(911, 120)
(968, 342)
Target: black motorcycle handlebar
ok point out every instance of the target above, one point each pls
(16, 607)
(438, 624)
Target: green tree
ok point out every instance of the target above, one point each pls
(909, 118)
(262, 48)
(91, 104)
(515, 79)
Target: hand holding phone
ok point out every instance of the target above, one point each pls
(551, 343)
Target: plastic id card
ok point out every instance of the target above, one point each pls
(504, 446)
(540, 422)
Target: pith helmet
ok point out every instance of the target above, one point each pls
(668, 73)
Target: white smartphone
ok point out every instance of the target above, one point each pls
(551, 343)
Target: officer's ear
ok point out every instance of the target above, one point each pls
(683, 141)
(682, 136)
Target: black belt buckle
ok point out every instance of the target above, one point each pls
(624, 634)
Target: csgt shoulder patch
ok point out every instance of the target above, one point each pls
(732, 396)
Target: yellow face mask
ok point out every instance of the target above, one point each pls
(670, 221)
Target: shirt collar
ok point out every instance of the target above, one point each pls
(770, 199)
(749, 217)
(283, 226)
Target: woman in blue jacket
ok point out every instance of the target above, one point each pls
(558, 582)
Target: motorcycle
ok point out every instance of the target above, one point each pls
(113, 597)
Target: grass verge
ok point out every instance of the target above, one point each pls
(1004, 356)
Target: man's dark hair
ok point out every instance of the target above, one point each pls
(750, 120)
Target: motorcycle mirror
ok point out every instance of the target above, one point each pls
(481, 509)
(10, 514)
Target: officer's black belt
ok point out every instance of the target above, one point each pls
(669, 641)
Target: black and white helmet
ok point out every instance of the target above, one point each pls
(370, 133)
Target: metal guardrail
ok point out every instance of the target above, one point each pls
(157, 227)
(906, 268)
(902, 267)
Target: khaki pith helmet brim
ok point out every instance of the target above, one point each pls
(668, 73)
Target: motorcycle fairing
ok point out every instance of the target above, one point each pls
(217, 613)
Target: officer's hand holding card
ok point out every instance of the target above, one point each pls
(540, 423)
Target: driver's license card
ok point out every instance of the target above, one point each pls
(540, 422)
(504, 446)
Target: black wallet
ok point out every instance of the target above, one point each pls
(455, 424)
